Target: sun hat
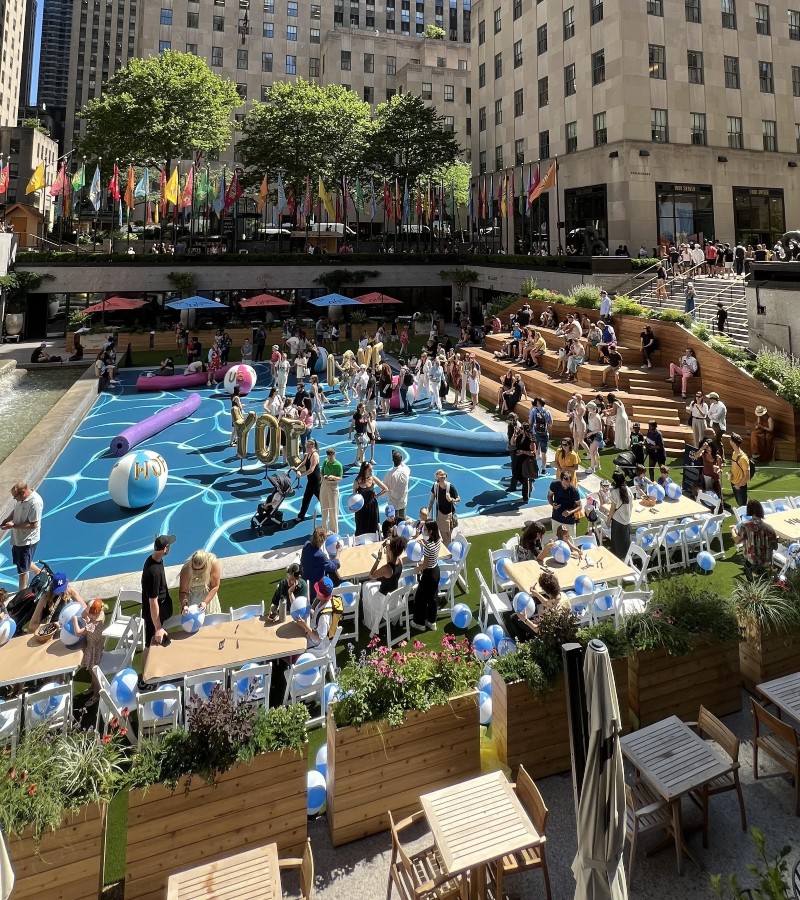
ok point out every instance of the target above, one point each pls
(713, 396)
(761, 410)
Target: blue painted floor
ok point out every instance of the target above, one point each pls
(207, 502)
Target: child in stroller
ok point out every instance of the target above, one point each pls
(268, 512)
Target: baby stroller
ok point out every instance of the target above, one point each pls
(626, 462)
(23, 604)
(268, 512)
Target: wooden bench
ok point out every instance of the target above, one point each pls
(780, 742)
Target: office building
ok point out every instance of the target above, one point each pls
(12, 32)
(24, 147)
(54, 62)
(672, 120)
(28, 44)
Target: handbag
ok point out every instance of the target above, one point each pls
(529, 468)
(453, 519)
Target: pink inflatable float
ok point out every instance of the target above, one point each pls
(174, 382)
(412, 394)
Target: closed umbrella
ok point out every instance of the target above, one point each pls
(598, 869)
(196, 303)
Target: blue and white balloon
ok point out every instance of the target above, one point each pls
(330, 694)
(496, 634)
(485, 684)
(521, 601)
(794, 548)
(457, 551)
(673, 490)
(206, 688)
(505, 646)
(482, 646)
(162, 709)
(414, 551)
(330, 543)
(656, 492)
(561, 552)
(310, 677)
(192, 620)
(316, 792)
(69, 637)
(780, 506)
(405, 530)
(69, 611)
(584, 585)
(349, 598)
(604, 604)
(706, 561)
(485, 707)
(321, 761)
(246, 684)
(123, 688)
(138, 479)
(501, 568)
(51, 706)
(355, 502)
(461, 616)
(8, 628)
(300, 609)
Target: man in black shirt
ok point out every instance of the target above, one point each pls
(156, 601)
(524, 315)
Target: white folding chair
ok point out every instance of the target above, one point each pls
(370, 538)
(201, 684)
(741, 514)
(782, 504)
(638, 560)
(108, 712)
(712, 535)
(794, 502)
(462, 576)
(676, 554)
(121, 657)
(253, 611)
(305, 682)
(586, 541)
(604, 602)
(630, 602)
(159, 710)
(10, 723)
(350, 596)
(491, 604)
(217, 618)
(768, 506)
(333, 669)
(448, 578)
(651, 539)
(582, 607)
(694, 538)
(252, 683)
(51, 706)
(512, 543)
(500, 585)
(395, 613)
(711, 500)
(115, 627)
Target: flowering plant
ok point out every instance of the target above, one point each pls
(384, 684)
(538, 661)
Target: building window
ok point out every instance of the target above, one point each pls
(191, 48)
(517, 9)
(448, 123)
(498, 112)
(542, 92)
(241, 59)
(698, 128)
(732, 72)
(519, 103)
(291, 65)
(291, 9)
(482, 75)
(166, 17)
(766, 82)
(269, 30)
(291, 32)
(569, 23)
(544, 145)
(498, 24)
(519, 152)
(498, 158)
(729, 14)
(797, 137)
(313, 67)
(569, 80)
(735, 133)
(218, 23)
(192, 19)
(369, 95)
(796, 81)
(692, 10)
(427, 90)
(216, 57)
(482, 119)
(391, 65)
(269, 6)
(599, 67)
(316, 11)
(498, 65)
(794, 25)
(449, 93)
(163, 46)
(314, 37)
(482, 162)
(658, 126)
(595, 11)
(344, 61)
(468, 96)
(266, 62)
(655, 7)
(762, 18)
(369, 63)
(768, 135)
(517, 54)
(462, 65)
(541, 39)
(658, 61)
(571, 136)
(241, 90)
(481, 33)
(694, 61)
(600, 133)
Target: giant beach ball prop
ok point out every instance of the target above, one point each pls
(192, 620)
(163, 708)
(457, 551)
(322, 360)
(308, 678)
(330, 694)
(315, 792)
(482, 646)
(321, 761)
(68, 635)
(355, 502)
(138, 479)
(584, 585)
(656, 492)
(461, 616)
(485, 706)
(300, 608)
(673, 490)
(560, 552)
(242, 376)
(414, 551)
(44, 709)
(73, 608)
(706, 561)
(8, 628)
(123, 688)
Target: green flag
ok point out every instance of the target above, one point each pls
(79, 178)
(201, 187)
(359, 195)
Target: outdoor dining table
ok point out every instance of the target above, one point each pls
(664, 511)
(675, 761)
(356, 562)
(222, 646)
(252, 875)
(784, 693)
(24, 659)
(476, 822)
(786, 524)
(599, 563)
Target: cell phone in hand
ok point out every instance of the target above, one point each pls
(222, 644)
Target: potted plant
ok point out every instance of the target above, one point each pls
(241, 771)
(53, 797)
(404, 723)
(15, 287)
(684, 653)
(769, 615)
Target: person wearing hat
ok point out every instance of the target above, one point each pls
(323, 611)
(25, 525)
(390, 522)
(717, 415)
(762, 437)
(156, 600)
(53, 600)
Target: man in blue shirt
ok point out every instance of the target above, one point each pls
(540, 421)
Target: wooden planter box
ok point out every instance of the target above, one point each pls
(67, 864)
(256, 803)
(661, 685)
(764, 656)
(377, 768)
(532, 730)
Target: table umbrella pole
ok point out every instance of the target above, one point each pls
(576, 714)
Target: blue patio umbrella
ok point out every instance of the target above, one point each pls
(196, 303)
(334, 300)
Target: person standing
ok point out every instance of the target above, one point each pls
(738, 258)
(758, 539)
(739, 474)
(690, 295)
(247, 352)
(156, 599)
(762, 437)
(332, 474)
(722, 317)
(25, 525)
(261, 343)
(649, 345)
(405, 380)
(435, 376)
(619, 516)
(397, 480)
(473, 377)
(698, 412)
(654, 448)
(444, 497)
(567, 460)
(425, 608)
(717, 415)
(540, 420)
(661, 283)
(526, 468)
(565, 502)
(310, 466)
(367, 520)
(605, 306)
(199, 582)
(622, 426)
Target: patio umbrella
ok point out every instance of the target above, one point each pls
(376, 299)
(263, 300)
(599, 873)
(196, 303)
(334, 300)
(115, 304)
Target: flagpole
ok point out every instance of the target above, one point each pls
(558, 211)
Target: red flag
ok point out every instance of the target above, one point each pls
(398, 201)
(307, 204)
(533, 185)
(387, 199)
(57, 186)
(234, 192)
(482, 199)
(4, 179)
(188, 190)
(162, 187)
(113, 185)
(292, 205)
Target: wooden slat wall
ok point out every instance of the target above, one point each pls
(67, 864)
(165, 340)
(769, 656)
(377, 768)
(253, 804)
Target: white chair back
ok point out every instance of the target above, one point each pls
(370, 538)
(252, 685)
(395, 613)
(115, 626)
(711, 500)
(217, 618)
(740, 512)
(512, 543)
(630, 602)
(491, 604)
(200, 684)
(603, 602)
(638, 560)
(10, 723)
(498, 584)
(312, 670)
(107, 712)
(121, 657)
(50, 706)
(351, 597)
(448, 578)
(676, 551)
(252, 611)
(150, 722)
(768, 507)
(794, 501)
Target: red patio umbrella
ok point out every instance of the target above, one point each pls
(115, 304)
(263, 300)
(376, 299)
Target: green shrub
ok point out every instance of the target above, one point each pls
(539, 661)
(672, 315)
(586, 296)
(528, 287)
(644, 263)
(725, 347)
(701, 331)
(781, 372)
(624, 305)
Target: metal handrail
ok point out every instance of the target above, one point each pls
(719, 293)
(633, 277)
(670, 281)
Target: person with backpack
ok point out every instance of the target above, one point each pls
(540, 420)
(323, 620)
(405, 379)
(742, 470)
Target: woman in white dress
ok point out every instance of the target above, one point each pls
(594, 435)
(474, 382)
(578, 423)
(622, 425)
(199, 582)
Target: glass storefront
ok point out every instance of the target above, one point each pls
(759, 216)
(531, 233)
(685, 212)
(586, 207)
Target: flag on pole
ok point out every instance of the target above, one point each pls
(95, 191)
(4, 176)
(308, 205)
(523, 191)
(218, 204)
(545, 184)
(234, 192)
(262, 194)
(291, 205)
(419, 208)
(490, 197)
(162, 192)
(113, 185)
(345, 199)
(452, 200)
(373, 206)
(406, 203)
(129, 196)
(36, 182)
(57, 187)
(79, 178)
(119, 206)
(188, 190)
(171, 191)
(142, 189)
(387, 200)
(327, 202)
(501, 194)
(281, 196)
(469, 203)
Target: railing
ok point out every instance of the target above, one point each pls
(714, 298)
(636, 275)
(670, 282)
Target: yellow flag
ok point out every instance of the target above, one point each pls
(37, 180)
(171, 191)
(262, 195)
(326, 200)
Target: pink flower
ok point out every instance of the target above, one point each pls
(418, 645)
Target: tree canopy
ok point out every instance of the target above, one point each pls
(160, 108)
(457, 174)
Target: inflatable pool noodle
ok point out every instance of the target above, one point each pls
(478, 442)
(130, 437)
(175, 382)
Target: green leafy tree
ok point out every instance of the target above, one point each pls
(161, 108)
(434, 33)
(456, 175)
(410, 139)
(305, 129)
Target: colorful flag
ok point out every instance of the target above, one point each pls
(359, 196)
(325, 197)
(129, 195)
(218, 204)
(490, 198)
(419, 208)
(281, 196)
(481, 199)
(4, 176)
(373, 207)
(534, 184)
(523, 191)
(202, 187)
(95, 191)
(171, 190)
(162, 191)
(398, 201)
(79, 178)
(188, 190)
(36, 182)
(113, 185)
(545, 184)
(387, 200)
(291, 204)
(234, 191)
(262, 194)
(501, 194)
(406, 203)
(142, 189)
(469, 203)
(57, 187)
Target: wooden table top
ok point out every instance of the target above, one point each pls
(673, 758)
(664, 511)
(246, 640)
(477, 821)
(252, 875)
(786, 524)
(23, 659)
(784, 693)
(356, 562)
(599, 564)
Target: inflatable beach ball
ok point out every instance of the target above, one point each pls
(793, 549)
(316, 792)
(8, 628)
(457, 550)
(561, 552)
(485, 705)
(51, 706)
(461, 615)
(349, 598)
(163, 708)
(300, 608)
(656, 492)
(496, 634)
(482, 646)
(138, 479)
(71, 609)
(241, 376)
(521, 602)
(584, 585)
(321, 761)
(246, 684)
(414, 551)
(355, 502)
(505, 646)
(404, 530)
(205, 689)
(330, 543)
(706, 561)
(485, 684)
(192, 620)
(308, 678)
(500, 568)
(330, 695)
(68, 635)
(673, 490)
(123, 688)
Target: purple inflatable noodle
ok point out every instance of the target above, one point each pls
(134, 435)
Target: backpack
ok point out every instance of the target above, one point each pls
(335, 607)
(540, 422)
(753, 469)
(408, 380)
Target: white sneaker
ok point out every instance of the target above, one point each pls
(431, 625)
(418, 627)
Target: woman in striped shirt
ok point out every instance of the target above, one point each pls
(425, 605)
